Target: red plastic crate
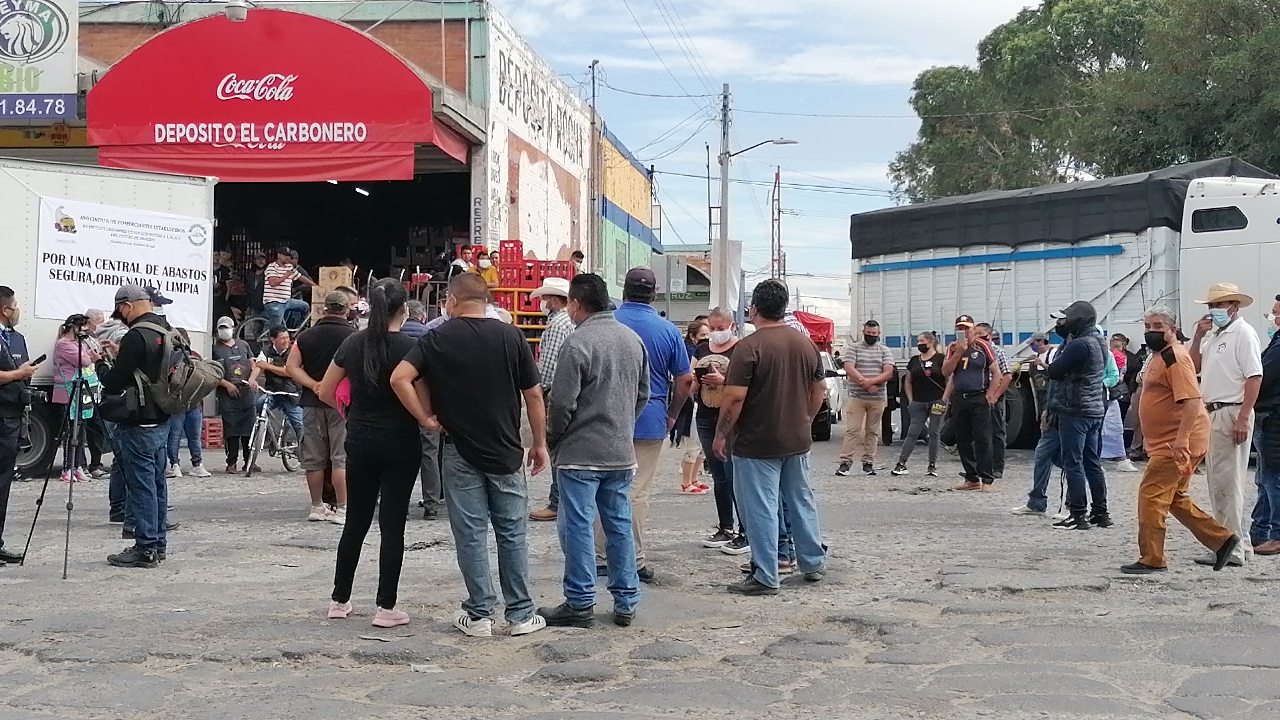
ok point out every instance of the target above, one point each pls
(560, 269)
(510, 251)
(530, 275)
(211, 434)
(509, 277)
(525, 303)
(505, 300)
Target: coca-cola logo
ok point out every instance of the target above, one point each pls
(268, 87)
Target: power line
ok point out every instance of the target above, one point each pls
(671, 133)
(807, 187)
(674, 150)
(652, 47)
(670, 16)
(657, 95)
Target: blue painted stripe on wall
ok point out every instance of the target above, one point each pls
(632, 226)
(995, 258)
(617, 144)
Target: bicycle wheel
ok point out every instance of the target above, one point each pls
(253, 330)
(255, 441)
(288, 448)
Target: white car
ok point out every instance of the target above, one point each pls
(832, 410)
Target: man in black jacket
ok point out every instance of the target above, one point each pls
(141, 439)
(16, 370)
(1076, 408)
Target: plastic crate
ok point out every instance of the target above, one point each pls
(530, 275)
(510, 251)
(526, 303)
(505, 300)
(211, 434)
(559, 269)
(509, 277)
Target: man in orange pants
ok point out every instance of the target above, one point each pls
(1175, 432)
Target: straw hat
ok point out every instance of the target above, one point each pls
(1226, 292)
(712, 396)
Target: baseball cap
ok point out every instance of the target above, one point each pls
(1044, 337)
(156, 298)
(131, 293)
(965, 321)
(226, 322)
(1059, 314)
(337, 300)
(640, 282)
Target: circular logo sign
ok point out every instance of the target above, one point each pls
(198, 235)
(31, 30)
(59, 135)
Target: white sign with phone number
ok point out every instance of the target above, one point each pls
(87, 251)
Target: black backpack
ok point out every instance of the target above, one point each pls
(185, 379)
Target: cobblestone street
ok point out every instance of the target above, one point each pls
(937, 604)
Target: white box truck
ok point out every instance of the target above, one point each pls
(1012, 257)
(71, 234)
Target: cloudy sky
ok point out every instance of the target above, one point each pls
(814, 57)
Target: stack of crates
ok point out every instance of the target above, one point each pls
(211, 434)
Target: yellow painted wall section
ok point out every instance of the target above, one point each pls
(625, 186)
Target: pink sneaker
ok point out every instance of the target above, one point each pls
(339, 611)
(385, 618)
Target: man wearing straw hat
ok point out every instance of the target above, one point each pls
(1228, 356)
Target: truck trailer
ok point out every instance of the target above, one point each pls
(1012, 257)
(72, 234)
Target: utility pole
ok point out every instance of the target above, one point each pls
(596, 181)
(720, 281)
(775, 240)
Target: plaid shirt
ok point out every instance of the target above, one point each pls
(558, 328)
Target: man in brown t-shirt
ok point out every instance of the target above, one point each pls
(774, 388)
(1175, 432)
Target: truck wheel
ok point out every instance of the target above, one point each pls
(36, 459)
(1023, 430)
(822, 426)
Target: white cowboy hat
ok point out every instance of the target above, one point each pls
(552, 286)
(1226, 292)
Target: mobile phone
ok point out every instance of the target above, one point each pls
(40, 359)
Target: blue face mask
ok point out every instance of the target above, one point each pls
(1221, 318)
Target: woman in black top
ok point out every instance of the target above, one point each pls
(923, 387)
(707, 382)
(383, 449)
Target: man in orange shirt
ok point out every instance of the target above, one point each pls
(1175, 432)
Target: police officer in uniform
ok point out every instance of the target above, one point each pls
(16, 370)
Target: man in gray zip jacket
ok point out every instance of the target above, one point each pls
(601, 385)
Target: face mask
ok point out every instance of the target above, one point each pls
(720, 337)
(544, 308)
(225, 333)
(923, 349)
(1271, 331)
(871, 339)
(484, 264)
(1155, 340)
(1221, 317)
(13, 318)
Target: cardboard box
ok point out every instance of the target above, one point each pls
(335, 277)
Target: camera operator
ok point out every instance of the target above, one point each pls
(16, 370)
(74, 357)
(142, 429)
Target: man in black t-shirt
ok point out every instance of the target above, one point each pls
(484, 479)
(324, 432)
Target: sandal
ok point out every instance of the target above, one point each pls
(696, 488)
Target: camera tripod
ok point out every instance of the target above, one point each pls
(72, 440)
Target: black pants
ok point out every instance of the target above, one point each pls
(971, 418)
(234, 444)
(385, 463)
(10, 429)
(998, 437)
(721, 477)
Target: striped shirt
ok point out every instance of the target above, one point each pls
(283, 291)
(869, 360)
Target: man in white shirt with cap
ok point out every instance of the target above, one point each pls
(1228, 356)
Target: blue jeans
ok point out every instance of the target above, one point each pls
(721, 474)
(188, 425)
(581, 493)
(1048, 456)
(141, 453)
(759, 487)
(1080, 440)
(475, 499)
(1266, 514)
(275, 312)
(291, 409)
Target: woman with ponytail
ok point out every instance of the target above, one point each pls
(383, 451)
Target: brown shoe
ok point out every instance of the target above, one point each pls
(543, 515)
(988, 487)
(968, 486)
(1270, 547)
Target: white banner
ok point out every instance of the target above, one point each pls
(88, 251)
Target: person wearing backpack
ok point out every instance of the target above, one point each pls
(142, 431)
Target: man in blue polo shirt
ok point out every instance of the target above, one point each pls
(668, 362)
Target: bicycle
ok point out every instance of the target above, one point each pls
(273, 431)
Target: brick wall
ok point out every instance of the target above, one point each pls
(418, 42)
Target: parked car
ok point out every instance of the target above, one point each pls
(832, 410)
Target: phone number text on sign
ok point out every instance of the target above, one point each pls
(38, 106)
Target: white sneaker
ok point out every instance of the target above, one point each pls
(319, 513)
(338, 516)
(477, 627)
(200, 472)
(1124, 465)
(173, 471)
(535, 623)
(1024, 510)
(1061, 515)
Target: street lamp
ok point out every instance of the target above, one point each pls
(720, 249)
(237, 11)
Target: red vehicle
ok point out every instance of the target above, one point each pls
(821, 330)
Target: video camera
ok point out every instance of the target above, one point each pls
(77, 323)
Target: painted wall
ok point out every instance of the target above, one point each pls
(530, 182)
(627, 236)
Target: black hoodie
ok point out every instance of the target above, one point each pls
(1076, 372)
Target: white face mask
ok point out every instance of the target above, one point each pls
(225, 333)
(544, 307)
(484, 264)
(720, 337)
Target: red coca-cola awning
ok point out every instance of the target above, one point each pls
(280, 97)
